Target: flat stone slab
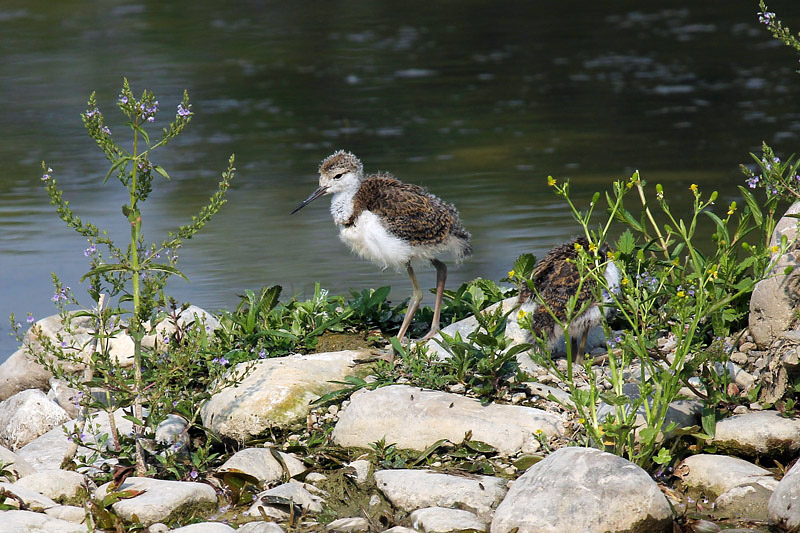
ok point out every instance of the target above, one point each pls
(29, 521)
(32, 499)
(204, 527)
(414, 489)
(445, 520)
(583, 489)
(15, 463)
(758, 434)
(714, 474)
(414, 418)
(62, 486)
(162, 501)
(276, 392)
(261, 464)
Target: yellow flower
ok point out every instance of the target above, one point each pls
(775, 249)
(693, 187)
(713, 272)
(681, 294)
(511, 274)
(624, 281)
(592, 247)
(551, 181)
(732, 208)
(581, 421)
(578, 246)
(521, 315)
(611, 256)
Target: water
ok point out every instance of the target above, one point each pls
(477, 101)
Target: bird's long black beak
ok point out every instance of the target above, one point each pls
(314, 195)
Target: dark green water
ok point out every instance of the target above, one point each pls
(478, 101)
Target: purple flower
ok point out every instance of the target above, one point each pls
(262, 354)
(90, 250)
(766, 17)
(60, 295)
(184, 111)
(105, 130)
(220, 361)
(46, 176)
(193, 474)
(753, 181)
(123, 100)
(30, 319)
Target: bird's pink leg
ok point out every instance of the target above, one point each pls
(413, 305)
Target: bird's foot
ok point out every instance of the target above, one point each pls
(428, 336)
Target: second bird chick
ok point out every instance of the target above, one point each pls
(556, 278)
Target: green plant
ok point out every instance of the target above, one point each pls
(134, 274)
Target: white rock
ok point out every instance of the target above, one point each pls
(315, 477)
(16, 464)
(445, 520)
(298, 493)
(276, 392)
(583, 489)
(21, 371)
(158, 527)
(205, 527)
(70, 513)
(772, 304)
(400, 529)
(715, 474)
(260, 527)
(782, 509)
(348, 525)
(29, 521)
(32, 499)
(26, 416)
(760, 433)
(47, 452)
(414, 418)
(62, 486)
(161, 501)
(261, 464)
(361, 469)
(413, 489)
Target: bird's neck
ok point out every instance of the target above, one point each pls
(342, 206)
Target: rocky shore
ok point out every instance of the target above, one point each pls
(542, 481)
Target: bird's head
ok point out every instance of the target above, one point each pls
(338, 172)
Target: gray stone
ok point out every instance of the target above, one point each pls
(712, 475)
(172, 430)
(31, 522)
(205, 527)
(65, 396)
(413, 489)
(414, 418)
(14, 463)
(277, 498)
(62, 486)
(774, 299)
(782, 509)
(738, 488)
(32, 499)
(70, 513)
(158, 527)
(276, 392)
(261, 464)
(758, 434)
(684, 413)
(348, 525)
(583, 489)
(400, 529)
(260, 527)
(445, 520)
(161, 501)
(26, 416)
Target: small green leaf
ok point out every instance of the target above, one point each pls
(161, 171)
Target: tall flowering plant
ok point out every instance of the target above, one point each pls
(134, 274)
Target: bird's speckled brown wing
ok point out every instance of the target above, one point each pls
(556, 279)
(408, 211)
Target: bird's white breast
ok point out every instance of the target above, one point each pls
(370, 239)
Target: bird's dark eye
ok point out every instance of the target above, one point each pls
(339, 175)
